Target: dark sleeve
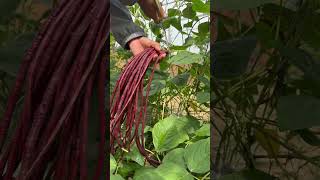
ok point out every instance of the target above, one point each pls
(122, 26)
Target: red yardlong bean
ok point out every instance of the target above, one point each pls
(66, 61)
(126, 113)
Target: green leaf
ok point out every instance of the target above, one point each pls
(173, 12)
(135, 155)
(173, 21)
(146, 173)
(203, 97)
(188, 124)
(172, 131)
(128, 168)
(179, 47)
(188, 12)
(181, 79)
(176, 23)
(11, 55)
(175, 156)
(298, 112)
(166, 134)
(199, 6)
(203, 28)
(115, 177)
(166, 171)
(155, 28)
(238, 5)
(188, 24)
(248, 175)
(113, 164)
(204, 131)
(185, 57)
(197, 156)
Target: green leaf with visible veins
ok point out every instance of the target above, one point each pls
(116, 177)
(113, 164)
(176, 156)
(185, 57)
(197, 156)
(167, 134)
(166, 171)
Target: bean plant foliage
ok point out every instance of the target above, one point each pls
(266, 89)
(177, 128)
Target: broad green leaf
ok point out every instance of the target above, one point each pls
(298, 112)
(204, 80)
(11, 55)
(135, 155)
(181, 79)
(176, 22)
(172, 131)
(113, 164)
(175, 156)
(146, 173)
(248, 175)
(203, 28)
(203, 97)
(188, 124)
(188, 24)
(155, 28)
(197, 156)
(115, 177)
(173, 12)
(128, 168)
(268, 144)
(200, 6)
(166, 171)
(188, 12)
(203, 131)
(238, 5)
(185, 57)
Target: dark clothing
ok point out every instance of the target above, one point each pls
(122, 26)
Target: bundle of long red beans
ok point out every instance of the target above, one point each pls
(56, 79)
(129, 103)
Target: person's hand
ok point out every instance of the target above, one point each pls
(138, 45)
(152, 9)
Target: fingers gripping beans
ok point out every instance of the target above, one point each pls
(56, 79)
(129, 105)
